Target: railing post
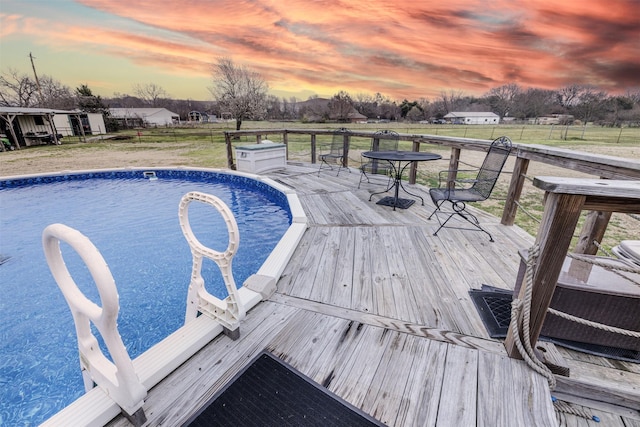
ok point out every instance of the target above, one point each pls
(227, 140)
(515, 191)
(285, 141)
(258, 139)
(594, 227)
(345, 147)
(561, 213)
(313, 148)
(454, 162)
(413, 170)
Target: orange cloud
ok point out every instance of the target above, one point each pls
(404, 49)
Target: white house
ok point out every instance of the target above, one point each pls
(144, 116)
(473, 118)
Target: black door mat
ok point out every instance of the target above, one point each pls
(494, 307)
(269, 392)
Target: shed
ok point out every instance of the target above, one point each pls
(34, 126)
(79, 123)
(132, 117)
(473, 118)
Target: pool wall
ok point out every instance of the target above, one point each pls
(96, 407)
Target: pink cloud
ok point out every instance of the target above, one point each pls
(402, 49)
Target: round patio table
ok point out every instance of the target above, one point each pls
(399, 160)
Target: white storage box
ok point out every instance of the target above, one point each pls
(258, 158)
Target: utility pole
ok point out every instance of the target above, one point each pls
(37, 81)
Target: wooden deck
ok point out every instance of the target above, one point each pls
(375, 308)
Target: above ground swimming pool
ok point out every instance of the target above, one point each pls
(133, 221)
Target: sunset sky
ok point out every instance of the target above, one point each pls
(399, 48)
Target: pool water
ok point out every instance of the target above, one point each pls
(134, 223)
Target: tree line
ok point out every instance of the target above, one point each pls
(240, 93)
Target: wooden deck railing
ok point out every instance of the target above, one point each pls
(565, 198)
(602, 166)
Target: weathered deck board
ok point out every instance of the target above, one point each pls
(376, 308)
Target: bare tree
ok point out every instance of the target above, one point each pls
(532, 103)
(568, 96)
(591, 104)
(56, 95)
(340, 106)
(452, 100)
(275, 108)
(17, 90)
(239, 91)
(634, 96)
(151, 93)
(501, 99)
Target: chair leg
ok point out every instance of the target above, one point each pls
(438, 204)
(362, 172)
(459, 208)
(342, 166)
(325, 162)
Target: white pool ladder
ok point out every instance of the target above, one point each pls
(228, 311)
(118, 378)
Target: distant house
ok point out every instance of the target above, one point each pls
(355, 117)
(553, 119)
(473, 118)
(35, 126)
(143, 117)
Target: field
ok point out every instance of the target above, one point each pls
(203, 146)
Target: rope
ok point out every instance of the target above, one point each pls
(596, 325)
(565, 407)
(627, 267)
(524, 307)
(524, 346)
(523, 209)
(590, 260)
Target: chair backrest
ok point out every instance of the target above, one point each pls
(337, 143)
(385, 140)
(492, 166)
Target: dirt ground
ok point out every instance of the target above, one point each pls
(35, 160)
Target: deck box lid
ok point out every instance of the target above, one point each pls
(256, 147)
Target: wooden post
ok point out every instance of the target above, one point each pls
(285, 141)
(454, 162)
(413, 170)
(227, 140)
(345, 149)
(561, 213)
(9, 120)
(515, 190)
(313, 148)
(593, 229)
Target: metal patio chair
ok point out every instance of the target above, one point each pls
(382, 140)
(472, 190)
(336, 152)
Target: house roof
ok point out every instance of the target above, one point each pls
(139, 112)
(460, 114)
(24, 111)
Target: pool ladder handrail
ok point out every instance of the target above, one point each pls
(231, 310)
(118, 378)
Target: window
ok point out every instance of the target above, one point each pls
(39, 120)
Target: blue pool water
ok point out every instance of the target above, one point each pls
(134, 223)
